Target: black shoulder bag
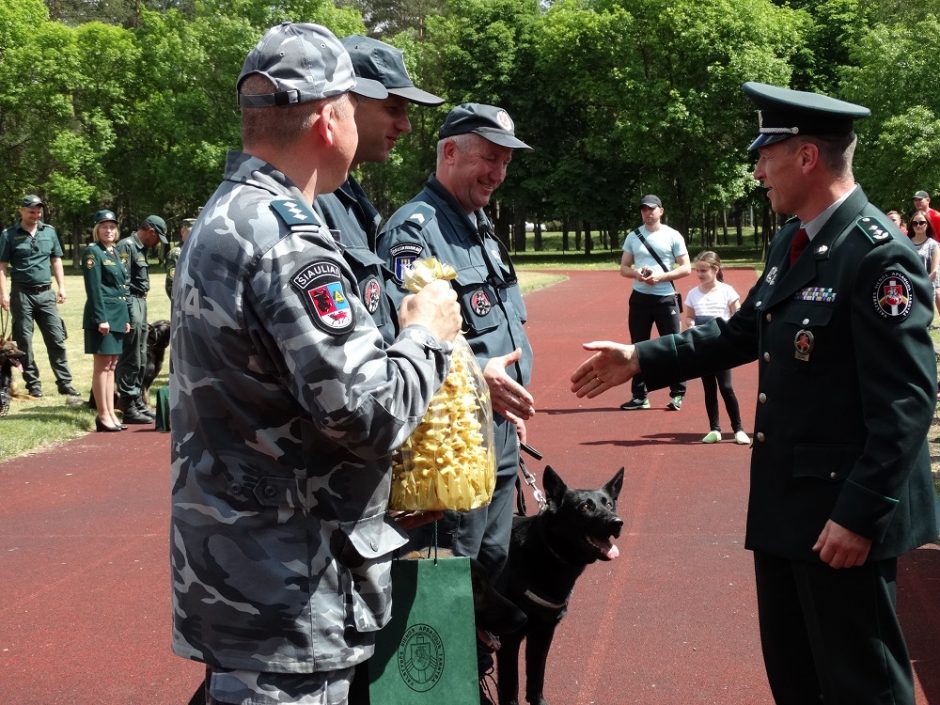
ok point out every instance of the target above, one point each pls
(660, 263)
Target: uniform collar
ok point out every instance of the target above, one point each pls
(813, 226)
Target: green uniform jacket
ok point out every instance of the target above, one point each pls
(133, 255)
(105, 290)
(847, 386)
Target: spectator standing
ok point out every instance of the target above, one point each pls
(924, 239)
(173, 257)
(133, 361)
(654, 256)
(840, 472)
(348, 212)
(446, 221)
(107, 316)
(285, 405)
(922, 205)
(712, 299)
(898, 220)
(30, 257)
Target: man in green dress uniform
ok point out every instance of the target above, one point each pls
(130, 370)
(30, 256)
(840, 471)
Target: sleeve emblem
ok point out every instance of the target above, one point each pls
(322, 291)
(893, 296)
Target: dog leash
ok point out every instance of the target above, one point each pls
(530, 480)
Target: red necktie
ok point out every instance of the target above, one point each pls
(798, 244)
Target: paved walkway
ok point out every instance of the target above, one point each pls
(83, 550)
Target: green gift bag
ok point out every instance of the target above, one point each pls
(163, 409)
(427, 652)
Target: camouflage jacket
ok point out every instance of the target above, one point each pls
(285, 408)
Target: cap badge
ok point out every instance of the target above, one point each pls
(502, 117)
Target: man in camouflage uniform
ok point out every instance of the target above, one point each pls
(173, 257)
(446, 220)
(285, 404)
(129, 375)
(348, 212)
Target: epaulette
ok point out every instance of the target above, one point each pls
(296, 215)
(420, 214)
(874, 229)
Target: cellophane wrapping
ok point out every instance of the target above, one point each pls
(449, 461)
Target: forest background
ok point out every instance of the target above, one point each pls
(130, 104)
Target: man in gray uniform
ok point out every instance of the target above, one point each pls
(129, 375)
(286, 405)
(348, 212)
(446, 220)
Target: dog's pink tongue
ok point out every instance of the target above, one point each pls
(611, 551)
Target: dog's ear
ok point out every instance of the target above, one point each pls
(615, 485)
(555, 487)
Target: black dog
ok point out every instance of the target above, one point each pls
(158, 339)
(547, 554)
(10, 356)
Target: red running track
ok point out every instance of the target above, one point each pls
(85, 618)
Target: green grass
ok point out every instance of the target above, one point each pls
(37, 424)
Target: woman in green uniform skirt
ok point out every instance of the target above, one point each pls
(106, 317)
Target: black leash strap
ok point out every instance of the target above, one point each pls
(530, 480)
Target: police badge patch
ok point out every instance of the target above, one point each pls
(403, 256)
(324, 295)
(893, 295)
(371, 294)
(90, 262)
(480, 302)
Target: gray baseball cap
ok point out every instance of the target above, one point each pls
(384, 63)
(31, 200)
(305, 62)
(488, 121)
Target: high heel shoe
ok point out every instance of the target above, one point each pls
(117, 422)
(102, 426)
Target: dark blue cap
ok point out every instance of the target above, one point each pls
(488, 121)
(384, 63)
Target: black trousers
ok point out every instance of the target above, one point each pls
(832, 636)
(644, 311)
(721, 382)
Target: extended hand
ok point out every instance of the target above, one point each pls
(510, 399)
(612, 364)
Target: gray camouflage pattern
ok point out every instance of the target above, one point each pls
(281, 437)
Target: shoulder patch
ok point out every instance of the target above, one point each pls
(403, 256)
(420, 213)
(876, 231)
(294, 213)
(89, 261)
(321, 288)
(893, 295)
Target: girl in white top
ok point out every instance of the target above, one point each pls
(711, 299)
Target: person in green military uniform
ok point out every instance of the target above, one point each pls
(840, 471)
(173, 257)
(30, 256)
(130, 368)
(106, 317)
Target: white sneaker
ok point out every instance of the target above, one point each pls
(740, 437)
(712, 437)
